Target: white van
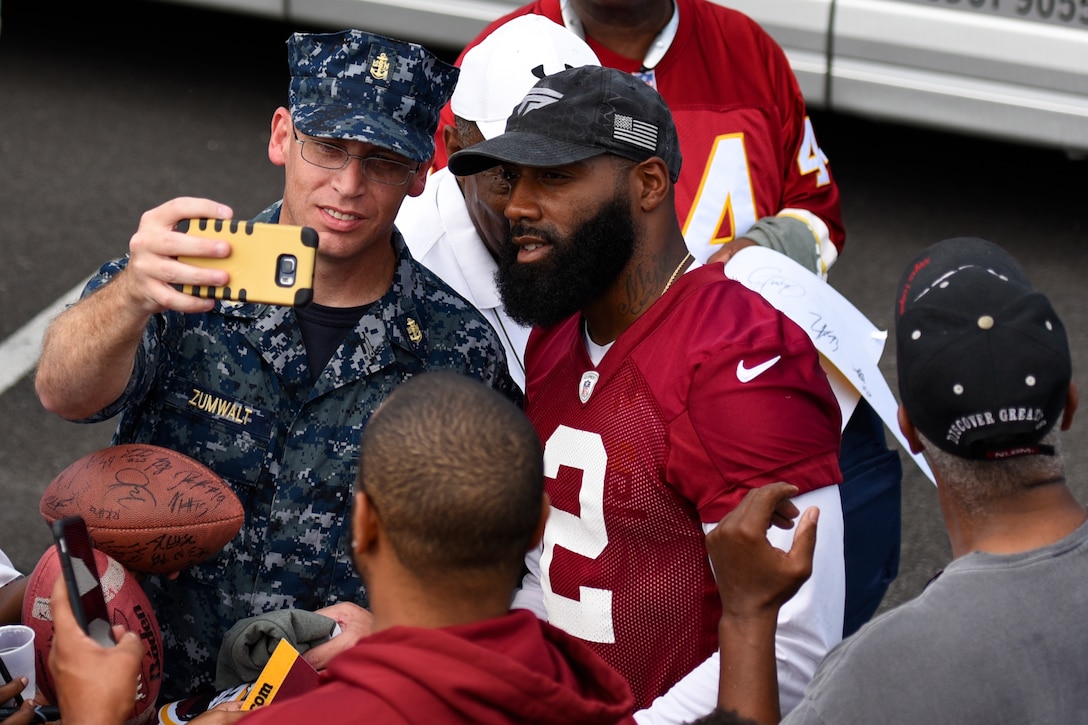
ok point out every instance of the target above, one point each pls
(1015, 70)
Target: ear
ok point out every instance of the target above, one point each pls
(364, 525)
(418, 181)
(538, 533)
(654, 183)
(909, 431)
(1072, 398)
(280, 137)
(452, 140)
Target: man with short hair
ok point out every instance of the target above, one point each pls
(356, 139)
(985, 384)
(449, 497)
(661, 396)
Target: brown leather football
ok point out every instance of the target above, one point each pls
(154, 510)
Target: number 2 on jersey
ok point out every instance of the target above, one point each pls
(590, 616)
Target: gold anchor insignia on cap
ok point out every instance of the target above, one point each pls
(414, 333)
(379, 68)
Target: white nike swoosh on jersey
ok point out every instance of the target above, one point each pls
(748, 374)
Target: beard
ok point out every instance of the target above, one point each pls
(576, 271)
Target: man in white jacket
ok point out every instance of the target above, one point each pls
(454, 228)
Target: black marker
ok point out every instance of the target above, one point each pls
(42, 713)
(7, 678)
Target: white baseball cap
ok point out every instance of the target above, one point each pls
(497, 73)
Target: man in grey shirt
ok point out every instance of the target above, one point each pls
(998, 637)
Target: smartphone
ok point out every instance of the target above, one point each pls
(269, 263)
(76, 554)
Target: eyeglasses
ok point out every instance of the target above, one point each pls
(375, 168)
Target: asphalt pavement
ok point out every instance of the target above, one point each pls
(107, 110)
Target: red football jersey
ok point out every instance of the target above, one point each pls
(710, 393)
(748, 147)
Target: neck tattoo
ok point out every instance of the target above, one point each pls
(676, 273)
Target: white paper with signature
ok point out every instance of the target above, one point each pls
(849, 344)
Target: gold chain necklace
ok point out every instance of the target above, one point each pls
(676, 273)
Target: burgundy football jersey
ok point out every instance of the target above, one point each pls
(710, 393)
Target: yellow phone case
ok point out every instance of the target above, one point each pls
(269, 263)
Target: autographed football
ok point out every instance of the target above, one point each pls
(154, 510)
(127, 605)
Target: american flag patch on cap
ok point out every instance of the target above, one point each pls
(633, 131)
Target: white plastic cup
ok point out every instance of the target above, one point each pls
(17, 651)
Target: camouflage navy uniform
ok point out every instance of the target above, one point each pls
(232, 388)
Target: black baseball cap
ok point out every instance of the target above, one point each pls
(982, 358)
(576, 114)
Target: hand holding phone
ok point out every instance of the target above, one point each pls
(76, 554)
(114, 684)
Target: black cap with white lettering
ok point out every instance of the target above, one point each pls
(576, 114)
(982, 358)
